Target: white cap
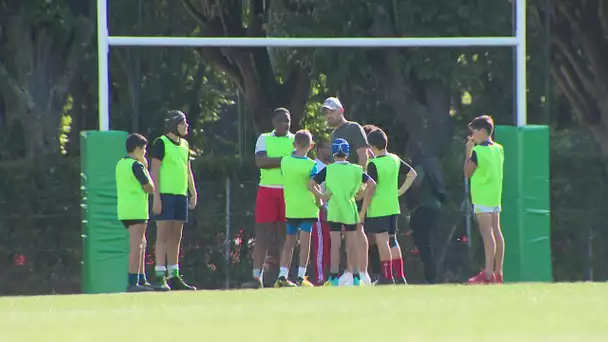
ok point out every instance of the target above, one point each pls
(332, 103)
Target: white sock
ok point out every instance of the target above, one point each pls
(257, 273)
(173, 270)
(283, 272)
(301, 272)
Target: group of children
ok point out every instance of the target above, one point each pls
(330, 195)
(316, 195)
(171, 183)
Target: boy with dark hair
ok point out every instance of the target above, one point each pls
(172, 172)
(343, 181)
(484, 165)
(133, 184)
(384, 208)
(320, 233)
(270, 149)
(301, 208)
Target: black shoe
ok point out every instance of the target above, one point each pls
(177, 284)
(400, 281)
(384, 281)
(256, 283)
(138, 288)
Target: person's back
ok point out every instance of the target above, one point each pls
(343, 181)
(486, 182)
(385, 201)
(299, 201)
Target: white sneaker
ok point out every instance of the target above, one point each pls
(346, 279)
(366, 279)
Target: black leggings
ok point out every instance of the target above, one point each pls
(423, 222)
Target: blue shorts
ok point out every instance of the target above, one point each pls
(303, 224)
(175, 208)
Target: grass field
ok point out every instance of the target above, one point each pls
(525, 312)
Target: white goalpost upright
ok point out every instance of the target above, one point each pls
(104, 41)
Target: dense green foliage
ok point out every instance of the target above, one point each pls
(421, 97)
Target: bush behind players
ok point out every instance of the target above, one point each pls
(133, 184)
(384, 208)
(301, 208)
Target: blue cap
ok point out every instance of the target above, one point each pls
(340, 146)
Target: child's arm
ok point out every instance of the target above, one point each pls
(139, 171)
(192, 201)
(470, 163)
(409, 178)
(369, 193)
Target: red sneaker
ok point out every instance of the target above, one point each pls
(499, 279)
(482, 279)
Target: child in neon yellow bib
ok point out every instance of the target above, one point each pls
(343, 181)
(301, 208)
(384, 208)
(133, 185)
(484, 165)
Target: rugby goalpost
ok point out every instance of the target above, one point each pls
(525, 202)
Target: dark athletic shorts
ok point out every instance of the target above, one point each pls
(381, 224)
(175, 208)
(337, 227)
(129, 223)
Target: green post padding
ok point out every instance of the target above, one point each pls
(525, 216)
(105, 240)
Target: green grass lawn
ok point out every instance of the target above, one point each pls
(525, 312)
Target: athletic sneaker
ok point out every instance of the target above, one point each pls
(284, 282)
(256, 283)
(332, 281)
(357, 281)
(138, 288)
(161, 285)
(304, 282)
(481, 278)
(365, 278)
(177, 284)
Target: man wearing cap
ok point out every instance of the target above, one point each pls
(270, 148)
(172, 175)
(353, 133)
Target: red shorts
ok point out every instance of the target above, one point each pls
(269, 205)
(320, 251)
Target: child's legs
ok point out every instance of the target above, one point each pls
(500, 243)
(290, 243)
(489, 244)
(305, 236)
(163, 229)
(384, 249)
(136, 236)
(144, 245)
(336, 242)
(362, 248)
(174, 240)
(353, 246)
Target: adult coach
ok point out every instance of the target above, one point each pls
(270, 203)
(353, 133)
(172, 173)
(424, 200)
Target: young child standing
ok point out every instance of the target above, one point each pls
(484, 165)
(320, 232)
(384, 208)
(343, 181)
(133, 185)
(301, 208)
